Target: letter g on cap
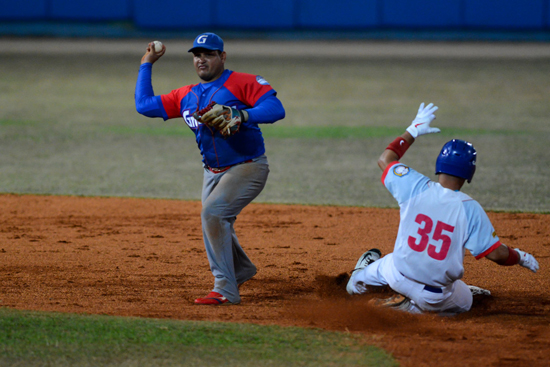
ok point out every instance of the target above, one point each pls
(202, 39)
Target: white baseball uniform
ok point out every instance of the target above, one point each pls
(437, 225)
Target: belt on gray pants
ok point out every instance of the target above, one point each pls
(223, 169)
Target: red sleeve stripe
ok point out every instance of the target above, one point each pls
(387, 170)
(172, 101)
(488, 251)
(246, 88)
(170, 107)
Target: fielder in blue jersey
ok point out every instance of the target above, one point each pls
(235, 165)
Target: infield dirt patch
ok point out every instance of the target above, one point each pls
(145, 258)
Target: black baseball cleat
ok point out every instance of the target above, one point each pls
(366, 259)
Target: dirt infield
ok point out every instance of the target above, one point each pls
(142, 257)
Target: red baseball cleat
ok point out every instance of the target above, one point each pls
(213, 298)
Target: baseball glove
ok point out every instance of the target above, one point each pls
(227, 120)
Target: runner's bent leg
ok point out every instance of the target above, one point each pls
(371, 275)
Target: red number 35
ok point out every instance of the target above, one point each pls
(424, 232)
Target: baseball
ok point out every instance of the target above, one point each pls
(158, 46)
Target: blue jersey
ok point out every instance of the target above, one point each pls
(238, 90)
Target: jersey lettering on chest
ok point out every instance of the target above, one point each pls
(190, 120)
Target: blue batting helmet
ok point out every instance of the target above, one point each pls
(457, 158)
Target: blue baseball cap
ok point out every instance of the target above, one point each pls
(209, 41)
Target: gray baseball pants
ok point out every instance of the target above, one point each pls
(224, 196)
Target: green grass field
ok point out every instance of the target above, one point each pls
(52, 339)
(68, 126)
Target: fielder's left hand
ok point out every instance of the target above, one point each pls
(421, 124)
(227, 120)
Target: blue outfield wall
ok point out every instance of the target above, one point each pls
(422, 13)
(516, 14)
(23, 9)
(256, 14)
(290, 14)
(341, 14)
(94, 10)
(173, 14)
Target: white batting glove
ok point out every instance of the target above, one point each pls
(421, 124)
(527, 261)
